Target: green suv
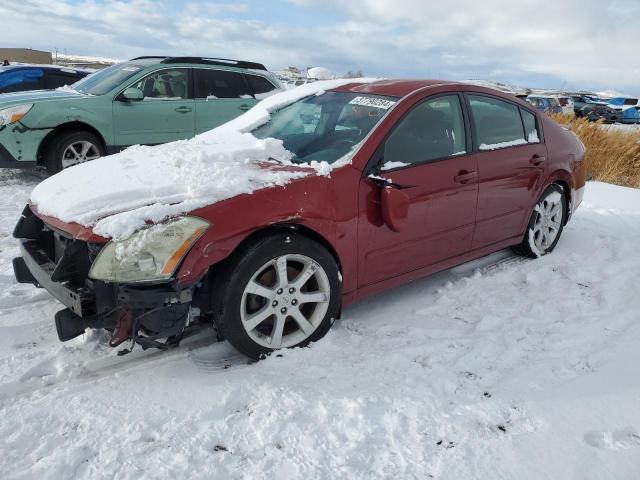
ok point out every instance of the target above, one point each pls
(147, 100)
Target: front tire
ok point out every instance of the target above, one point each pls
(545, 225)
(71, 148)
(282, 291)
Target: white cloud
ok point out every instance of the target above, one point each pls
(583, 43)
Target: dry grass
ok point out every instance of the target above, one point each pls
(613, 156)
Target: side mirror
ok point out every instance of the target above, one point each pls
(133, 94)
(394, 204)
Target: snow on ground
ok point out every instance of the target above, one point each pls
(118, 194)
(502, 368)
(620, 127)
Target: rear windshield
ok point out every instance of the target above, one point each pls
(105, 80)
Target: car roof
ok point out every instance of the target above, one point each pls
(392, 88)
(63, 68)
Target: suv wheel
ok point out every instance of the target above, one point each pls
(545, 225)
(281, 292)
(72, 148)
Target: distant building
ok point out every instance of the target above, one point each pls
(25, 55)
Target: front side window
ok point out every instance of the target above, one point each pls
(325, 127)
(165, 85)
(432, 130)
(497, 123)
(211, 84)
(260, 86)
(55, 79)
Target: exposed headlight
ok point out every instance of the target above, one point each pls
(150, 255)
(13, 114)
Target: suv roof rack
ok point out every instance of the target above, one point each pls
(208, 61)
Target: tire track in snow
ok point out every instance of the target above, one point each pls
(222, 359)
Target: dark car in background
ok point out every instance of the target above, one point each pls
(599, 111)
(581, 100)
(21, 78)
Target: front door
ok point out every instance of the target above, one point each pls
(166, 113)
(511, 167)
(426, 155)
(220, 96)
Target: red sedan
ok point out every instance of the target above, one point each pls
(427, 175)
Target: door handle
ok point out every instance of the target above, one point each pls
(183, 109)
(465, 177)
(244, 107)
(537, 160)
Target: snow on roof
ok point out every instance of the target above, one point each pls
(118, 194)
(320, 73)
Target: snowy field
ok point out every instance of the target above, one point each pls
(499, 369)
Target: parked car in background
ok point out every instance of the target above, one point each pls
(628, 109)
(147, 100)
(545, 103)
(566, 103)
(21, 77)
(580, 100)
(416, 177)
(600, 111)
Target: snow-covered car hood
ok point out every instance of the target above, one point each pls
(119, 194)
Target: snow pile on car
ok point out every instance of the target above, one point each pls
(117, 195)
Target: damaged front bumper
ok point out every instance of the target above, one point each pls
(57, 262)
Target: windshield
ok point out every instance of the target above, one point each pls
(107, 79)
(325, 127)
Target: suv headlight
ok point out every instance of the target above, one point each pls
(13, 114)
(149, 255)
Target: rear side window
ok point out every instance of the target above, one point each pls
(261, 87)
(212, 84)
(432, 130)
(530, 127)
(55, 79)
(21, 80)
(497, 123)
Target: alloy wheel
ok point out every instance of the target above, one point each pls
(285, 301)
(548, 221)
(79, 152)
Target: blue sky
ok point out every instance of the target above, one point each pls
(571, 43)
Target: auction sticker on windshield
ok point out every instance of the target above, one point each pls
(373, 102)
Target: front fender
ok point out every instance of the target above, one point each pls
(95, 112)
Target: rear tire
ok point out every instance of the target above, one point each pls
(282, 291)
(545, 225)
(71, 148)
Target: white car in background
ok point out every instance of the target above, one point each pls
(566, 103)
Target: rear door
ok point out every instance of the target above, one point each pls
(220, 96)
(425, 155)
(511, 166)
(166, 113)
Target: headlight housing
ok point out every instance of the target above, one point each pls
(149, 255)
(14, 114)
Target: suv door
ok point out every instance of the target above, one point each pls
(426, 155)
(166, 112)
(220, 96)
(511, 167)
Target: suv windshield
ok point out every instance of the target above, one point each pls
(107, 79)
(325, 127)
